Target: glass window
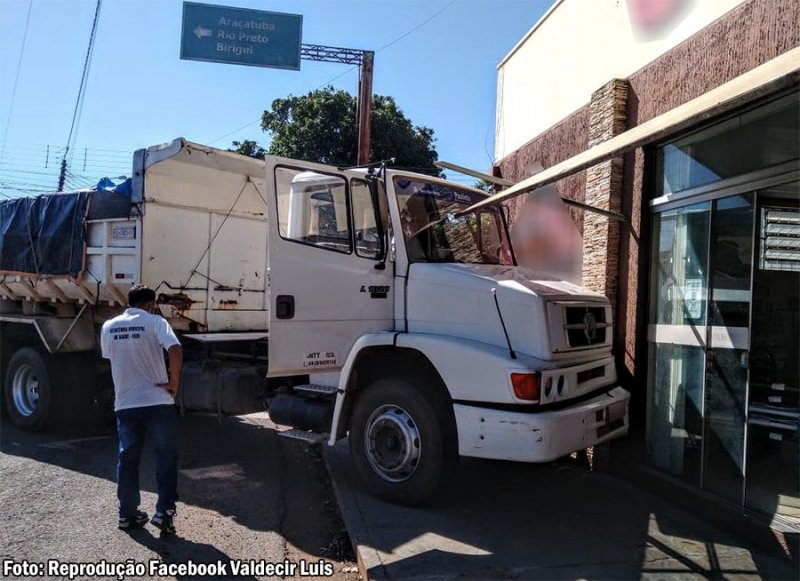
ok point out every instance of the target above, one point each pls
(675, 409)
(366, 231)
(731, 260)
(756, 139)
(773, 417)
(680, 278)
(312, 208)
(436, 229)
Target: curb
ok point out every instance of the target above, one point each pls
(367, 558)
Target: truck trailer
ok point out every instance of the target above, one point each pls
(366, 303)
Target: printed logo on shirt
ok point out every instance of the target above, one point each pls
(132, 332)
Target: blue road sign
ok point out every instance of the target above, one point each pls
(241, 36)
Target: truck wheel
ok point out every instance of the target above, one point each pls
(29, 395)
(402, 440)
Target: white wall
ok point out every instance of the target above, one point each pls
(577, 47)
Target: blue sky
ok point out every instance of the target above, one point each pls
(140, 93)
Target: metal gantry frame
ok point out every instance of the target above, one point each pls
(365, 60)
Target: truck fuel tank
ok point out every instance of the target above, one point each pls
(229, 389)
(299, 412)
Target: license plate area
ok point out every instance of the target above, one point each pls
(613, 415)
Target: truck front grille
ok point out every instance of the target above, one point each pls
(586, 326)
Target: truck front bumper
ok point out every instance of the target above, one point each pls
(543, 436)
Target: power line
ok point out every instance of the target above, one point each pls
(350, 69)
(26, 171)
(44, 156)
(41, 145)
(81, 92)
(418, 26)
(30, 169)
(16, 78)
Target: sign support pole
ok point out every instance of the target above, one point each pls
(365, 59)
(365, 107)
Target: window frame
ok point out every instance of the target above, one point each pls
(376, 213)
(501, 211)
(348, 209)
(718, 123)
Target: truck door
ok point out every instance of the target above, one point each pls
(328, 279)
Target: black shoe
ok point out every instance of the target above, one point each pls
(165, 521)
(135, 521)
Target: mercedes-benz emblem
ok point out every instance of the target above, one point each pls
(590, 326)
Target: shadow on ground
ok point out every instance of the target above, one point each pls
(505, 520)
(237, 468)
(176, 550)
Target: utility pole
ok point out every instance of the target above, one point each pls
(62, 175)
(365, 107)
(365, 59)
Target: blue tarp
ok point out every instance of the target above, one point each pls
(124, 188)
(43, 235)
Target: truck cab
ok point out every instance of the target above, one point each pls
(422, 337)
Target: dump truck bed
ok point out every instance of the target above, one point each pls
(193, 228)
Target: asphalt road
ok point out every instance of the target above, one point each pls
(245, 494)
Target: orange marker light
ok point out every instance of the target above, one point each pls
(526, 385)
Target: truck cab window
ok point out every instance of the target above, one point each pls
(313, 209)
(364, 227)
(437, 228)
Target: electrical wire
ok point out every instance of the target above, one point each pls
(418, 26)
(37, 146)
(352, 68)
(16, 79)
(82, 87)
(30, 169)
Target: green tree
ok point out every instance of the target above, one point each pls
(321, 126)
(484, 185)
(249, 147)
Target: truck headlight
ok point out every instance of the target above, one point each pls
(548, 388)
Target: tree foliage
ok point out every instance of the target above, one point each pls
(249, 147)
(484, 185)
(322, 127)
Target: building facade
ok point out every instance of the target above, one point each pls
(704, 277)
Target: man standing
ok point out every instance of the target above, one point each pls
(144, 405)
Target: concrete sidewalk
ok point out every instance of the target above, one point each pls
(501, 520)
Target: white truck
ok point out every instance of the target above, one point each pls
(370, 303)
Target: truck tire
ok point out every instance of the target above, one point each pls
(31, 401)
(402, 440)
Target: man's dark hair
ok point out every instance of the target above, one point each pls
(141, 295)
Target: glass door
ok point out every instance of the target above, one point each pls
(677, 336)
(728, 344)
(699, 342)
(773, 455)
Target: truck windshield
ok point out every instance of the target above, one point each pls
(436, 229)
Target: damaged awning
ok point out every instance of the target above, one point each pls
(782, 71)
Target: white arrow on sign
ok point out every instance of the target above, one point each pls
(200, 32)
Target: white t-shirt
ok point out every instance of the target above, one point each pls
(133, 342)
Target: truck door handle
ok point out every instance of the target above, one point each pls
(284, 307)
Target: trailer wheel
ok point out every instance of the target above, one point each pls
(30, 399)
(402, 441)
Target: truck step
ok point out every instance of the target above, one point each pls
(308, 437)
(316, 389)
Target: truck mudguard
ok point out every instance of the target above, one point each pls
(469, 369)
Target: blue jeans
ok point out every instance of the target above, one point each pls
(159, 423)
